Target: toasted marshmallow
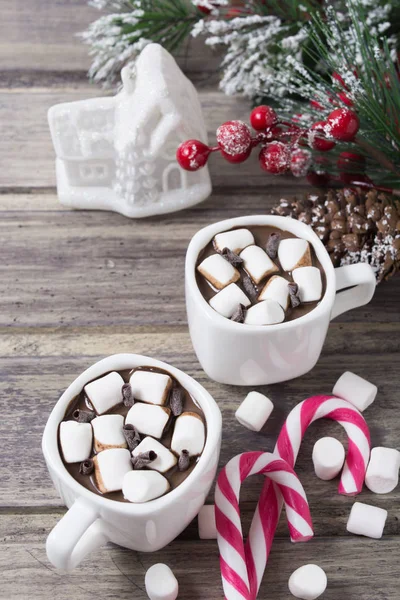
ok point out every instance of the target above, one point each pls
(235, 240)
(218, 271)
(189, 434)
(310, 283)
(110, 468)
(227, 300)
(161, 583)
(257, 263)
(106, 392)
(148, 419)
(277, 289)
(206, 522)
(367, 520)
(165, 458)
(267, 312)
(108, 432)
(143, 486)
(383, 470)
(150, 387)
(76, 441)
(294, 253)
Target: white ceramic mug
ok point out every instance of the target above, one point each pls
(92, 520)
(239, 354)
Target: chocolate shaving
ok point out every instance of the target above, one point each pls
(239, 314)
(249, 287)
(176, 401)
(184, 461)
(143, 459)
(231, 257)
(272, 245)
(127, 396)
(86, 467)
(132, 436)
(294, 295)
(83, 416)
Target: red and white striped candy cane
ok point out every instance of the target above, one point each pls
(227, 514)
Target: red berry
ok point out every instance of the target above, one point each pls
(318, 179)
(350, 160)
(343, 124)
(263, 117)
(345, 99)
(234, 140)
(300, 162)
(320, 143)
(192, 155)
(275, 158)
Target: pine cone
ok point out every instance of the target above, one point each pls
(354, 225)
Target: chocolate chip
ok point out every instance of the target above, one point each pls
(176, 401)
(294, 295)
(86, 467)
(83, 416)
(184, 461)
(127, 396)
(249, 287)
(231, 257)
(143, 459)
(132, 436)
(239, 314)
(272, 245)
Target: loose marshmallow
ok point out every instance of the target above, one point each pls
(227, 300)
(328, 458)
(257, 263)
(143, 486)
(383, 470)
(110, 468)
(108, 432)
(235, 240)
(150, 387)
(206, 522)
(276, 288)
(367, 520)
(165, 458)
(360, 392)
(189, 434)
(267, 312)
(254, 411)
(218, 271)
(308, 582)
(148, 418)
(310, 283)
(161, 583)
(294, 253)
(76, 441)
(106, 392)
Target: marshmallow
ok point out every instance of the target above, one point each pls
(76, 441)
(277, 289)
(234, 240)
(161, 583)
(383, 470)
(148, 418)
(106, 392)
(150, 387)
(308, 582)
(257, 263)
(218, 271)
(165, 458)
(367, 520)
(328, 458)
(310, 283)
(267, 312)
(110, 468)
(206, 522)
(108, 432)
(294, 253)
(254, 411)
(360, 392)
(189, 434)
(143, 486)
(227, 300)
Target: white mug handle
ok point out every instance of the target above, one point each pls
(360, 279)
(78, 532)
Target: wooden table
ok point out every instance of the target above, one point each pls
(77, 286)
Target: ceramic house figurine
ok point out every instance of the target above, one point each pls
(118, 153)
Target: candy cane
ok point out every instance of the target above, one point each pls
(227, 514)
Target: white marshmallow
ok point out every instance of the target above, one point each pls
(110, 468)
(108, 432)
(76, 441)
(206, 522)
(218, 271)
(294, 253)
(267, 312)
(143, 486)
(227, 300)
(106, 392)
(235, 240)
(150, 387)
(257, 263)
(308, 582)
(383, 470)
(254, 411)
(161, 583)
(276, 288)
(310, 283)
(189, 434)
(360, 392)
(148, 418)
(165, 458)
(328, 458)
(367, 520)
